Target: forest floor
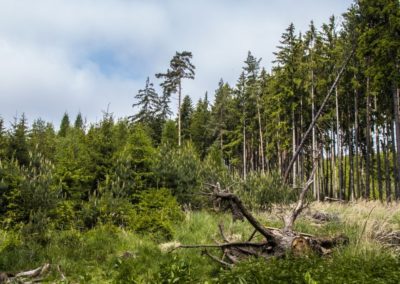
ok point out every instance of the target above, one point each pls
(107, 254)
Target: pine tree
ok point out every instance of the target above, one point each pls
(181, 68)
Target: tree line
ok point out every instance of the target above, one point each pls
(250, 131)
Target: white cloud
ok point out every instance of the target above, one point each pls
(70, 55)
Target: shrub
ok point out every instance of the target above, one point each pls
(178, 170)
(107, 209)
(261, 191)
(156, 212)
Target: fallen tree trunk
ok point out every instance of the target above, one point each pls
(21, 277)
(276, 242)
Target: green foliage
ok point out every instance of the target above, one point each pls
(157, 211)
(35, 194)
(17, 144)
(169, 136)
(261, 191)
(179, 171)
(42, 139)
(73, 165)
(137, 157)
(64, 126)
(106, 209)
(348, 268)
(200, 129)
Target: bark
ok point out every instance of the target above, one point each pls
(179, 113)
(394, 161)
(357, 166)
(339, 146)
(314, 138)
(244, 151)
(378, 155)
(261, 138)
(368, 150)
(294, 148)
(351, 166)
(387, 171)
(276, 241)
(397, 127)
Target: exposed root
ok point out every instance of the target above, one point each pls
(277, 242)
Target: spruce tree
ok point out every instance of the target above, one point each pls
(186, 117)
(18, 144)
(78, 124)
(149, 102)
(64, 126)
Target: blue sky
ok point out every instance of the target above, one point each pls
(83, 55)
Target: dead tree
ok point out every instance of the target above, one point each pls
(275, 242)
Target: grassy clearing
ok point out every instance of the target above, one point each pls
(107, 254)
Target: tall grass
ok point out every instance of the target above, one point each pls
(108, 254)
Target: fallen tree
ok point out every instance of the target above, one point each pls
(275, 241)
(30, 276)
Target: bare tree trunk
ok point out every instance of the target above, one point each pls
(335, 184)
(261, 138)
(331, 167)
(368, 150)
(179, 112)
(317, 115)
(394, 161)
(301, 159)
(397, 127)
(351, 166)
(378, 154)
(385, 147)
(314, 138)
(294, 149)
(244, 152)
(344, 174)
(339, 146)
(357, 166)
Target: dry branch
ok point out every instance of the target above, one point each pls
(277, 242)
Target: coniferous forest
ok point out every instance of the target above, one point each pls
(123, 200)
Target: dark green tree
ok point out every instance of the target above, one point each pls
(186, 117)
(180, 68)
(200, 128)
(78, 124)
(18, 144)
(64, 126)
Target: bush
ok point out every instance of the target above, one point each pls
(156, 212)
(261, 191)
(178, 170)
(349, 267)
(107, 209)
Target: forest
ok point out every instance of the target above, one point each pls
(123, 199)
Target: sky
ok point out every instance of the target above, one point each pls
(88, 56)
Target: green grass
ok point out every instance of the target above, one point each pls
(107, 254)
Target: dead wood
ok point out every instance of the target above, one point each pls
(331, 199)
(33, 275)
(324, 217)
(35, 272)
(276, 242)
